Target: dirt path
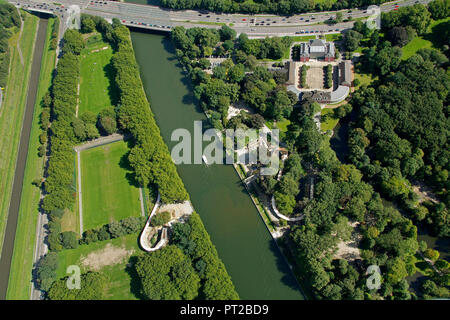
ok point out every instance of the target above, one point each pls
(20, 36)
(141, 199)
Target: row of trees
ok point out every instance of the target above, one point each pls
(328, 71)
(189, 268)
(283, 7)
(149, 157)
(114, 229)
(9, 18)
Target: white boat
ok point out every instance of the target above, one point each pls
(204, 159)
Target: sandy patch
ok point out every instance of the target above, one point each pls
(349, 250)
(177, 210)
(108, 256)
(235, 110)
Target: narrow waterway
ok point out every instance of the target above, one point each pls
(251, 257)
(13, 214)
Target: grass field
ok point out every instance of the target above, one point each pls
(431, 39)
(12, 111)
(411, 48)
(330, 122)
(95, 74)
(22, 262)
(107, 185)
(121, 282)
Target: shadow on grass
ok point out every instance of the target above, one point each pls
(130, 175)
(135, 283)
(113, 90)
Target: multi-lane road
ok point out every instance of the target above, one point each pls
(153, 17)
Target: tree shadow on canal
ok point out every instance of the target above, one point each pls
(188, 99)
(288, 277)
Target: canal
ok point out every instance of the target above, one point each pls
(251, 257)
(13, 213)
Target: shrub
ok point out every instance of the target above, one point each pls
(160, 219)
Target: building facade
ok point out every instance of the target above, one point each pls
(317, 49)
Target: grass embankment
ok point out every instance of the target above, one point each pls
(22, 262)
(108, 189)
(12, 111)
(120, 285)
(96, 72)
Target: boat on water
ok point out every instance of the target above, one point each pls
(205, 160)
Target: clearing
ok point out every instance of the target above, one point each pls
(95, 74)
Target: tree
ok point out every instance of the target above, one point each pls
(167, 274)
(107, 124)
(69, 240)
(92, 288)
(352, 39)
(46, 270)
(226, 33)
(161, 218)
(400, 36)
(439, 9)
(73, 42)
(285, 202)
(431, 254)
(396, 271)
(338, 17)
(87, 24)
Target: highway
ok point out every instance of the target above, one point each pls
(261, 25)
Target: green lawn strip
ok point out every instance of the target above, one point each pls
(12, 111)
(415, 44)
(330, 122)
(22, 261)
(120, 282)
(106, 185)
(94, 81)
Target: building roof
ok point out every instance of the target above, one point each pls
(345, 75)
(339, 94)
(291, 72)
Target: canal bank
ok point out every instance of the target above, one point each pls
(251, 257)
(11, 226)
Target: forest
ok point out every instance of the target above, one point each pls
(398, 138)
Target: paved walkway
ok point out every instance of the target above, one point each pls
(145, 235)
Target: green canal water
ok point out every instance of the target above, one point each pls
(251, 257)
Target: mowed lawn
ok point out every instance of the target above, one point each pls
(412, 47)
(107, 190)
(94, 81)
